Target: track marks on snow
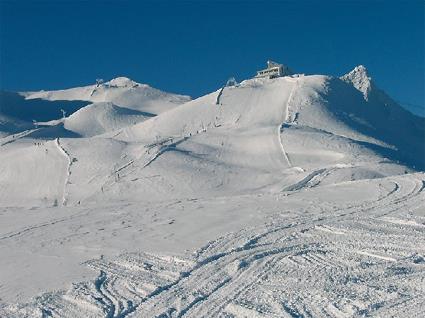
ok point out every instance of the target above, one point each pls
(31, 228)
(70, 162)
(281, 126)
(347, 262)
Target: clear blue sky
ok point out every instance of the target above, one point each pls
(193, 47)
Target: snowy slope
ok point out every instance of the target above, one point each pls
(271, 134)
(10, 125)
(287, 197)
(349, 250)
(99, 118)
(105, 107)
(390, 122)
(17, 107)
(268, 134)
(120, 91)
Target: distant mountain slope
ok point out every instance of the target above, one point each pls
(386, 120)
(110, 106)
(99, 118)
(317, 102)
(282, 134)
(16, 106)
(9, 125)
(121, 91)
(286, 133)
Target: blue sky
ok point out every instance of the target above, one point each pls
(193, 47)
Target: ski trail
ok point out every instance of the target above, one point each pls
(279, 130)
(280, 127)
(385, 258)
(313, 179)
(68, 169)
(162, 148)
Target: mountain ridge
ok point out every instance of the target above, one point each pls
(274, 132)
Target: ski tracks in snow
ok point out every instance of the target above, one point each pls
(355, 260)
(70, 161)
(280, 127)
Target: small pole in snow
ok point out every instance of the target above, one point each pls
(99, 81)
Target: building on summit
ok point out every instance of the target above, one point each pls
(274, 70)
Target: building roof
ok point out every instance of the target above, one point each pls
(271, 64)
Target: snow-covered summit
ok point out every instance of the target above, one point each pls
(122, 82)
(120, 91)
(360, 79)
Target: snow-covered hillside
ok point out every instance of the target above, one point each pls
(210, 207)
(99, 118)
(120, 91)
(107, 106)
(9, 125)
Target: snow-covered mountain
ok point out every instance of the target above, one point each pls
(121, 96)
(120, 91)
(10, 125)
(317, 161)
(293, 131)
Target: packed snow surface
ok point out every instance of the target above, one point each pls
(299, 196)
